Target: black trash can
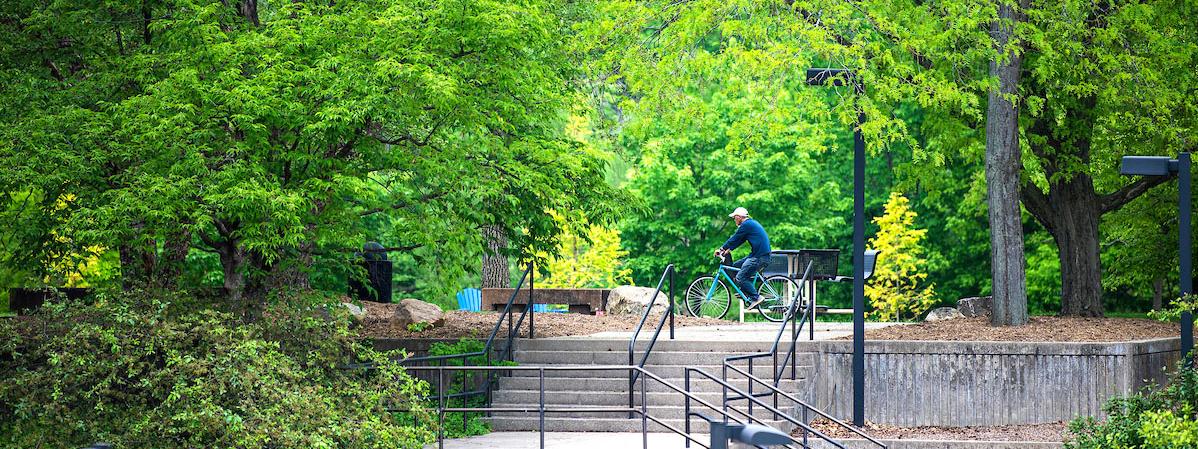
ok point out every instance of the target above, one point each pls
(24, 301)
(377, 285)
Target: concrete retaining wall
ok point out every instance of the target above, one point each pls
(916, 383)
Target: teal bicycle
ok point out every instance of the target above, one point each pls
(709, 296)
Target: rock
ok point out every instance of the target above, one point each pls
(943, 313)
(357, 313)
(630, 300)
(976, 306)
(411, 311)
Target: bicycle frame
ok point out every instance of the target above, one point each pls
(723, 269)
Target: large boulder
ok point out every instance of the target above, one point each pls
(357, 313)
(943, 313)
(410, 311)
(630, 300)
(975, 306)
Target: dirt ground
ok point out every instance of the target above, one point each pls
(1039, 328)
(1053, 432)
(479, 324)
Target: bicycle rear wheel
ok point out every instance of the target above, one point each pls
(778, 294)
(700, 304)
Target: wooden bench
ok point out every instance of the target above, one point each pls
(579, 300)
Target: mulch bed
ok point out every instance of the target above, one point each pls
(1052, 432)
(1039, 328)
(458, 324)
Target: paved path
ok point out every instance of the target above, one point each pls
(565, 440)
(740, 332)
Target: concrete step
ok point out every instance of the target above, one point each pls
(658, 411)
(612, 424)
(663, 371)
(597, 398)
(620, 385)
(590, 357)
(663, 344)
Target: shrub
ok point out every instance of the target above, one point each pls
(898, 289)
(159, 371)
(1160, 419)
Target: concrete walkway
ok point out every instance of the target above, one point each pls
(565, 440)
(584, 440)
(757, 332)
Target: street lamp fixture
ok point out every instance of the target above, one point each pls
(839, 78)
(1165, 166)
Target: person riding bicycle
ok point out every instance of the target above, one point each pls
(748, 229)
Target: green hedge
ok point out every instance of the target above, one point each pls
(159, 371)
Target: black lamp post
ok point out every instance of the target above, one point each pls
(1164, 166)
(844, 77)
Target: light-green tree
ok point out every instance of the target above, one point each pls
(590, 260)
(898, 289)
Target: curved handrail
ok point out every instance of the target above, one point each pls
(796, 400)
(632, 376)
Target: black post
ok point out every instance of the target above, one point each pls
(1186, 277)
(824, 77)
(532, 274)
(859, 270)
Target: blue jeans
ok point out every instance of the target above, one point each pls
(749, 267)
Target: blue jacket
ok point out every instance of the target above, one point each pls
(752, 231)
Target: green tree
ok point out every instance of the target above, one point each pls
(898, 289)
(1086, 82)
(693, 165)
(282, 136)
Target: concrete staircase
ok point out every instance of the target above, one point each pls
(595, 388)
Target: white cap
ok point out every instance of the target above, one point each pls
(739, 211)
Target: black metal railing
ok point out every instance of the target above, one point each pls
(643, 410)
(796, 323)
(473, 387)
(805, 407)
(669, 314)
(807, 430)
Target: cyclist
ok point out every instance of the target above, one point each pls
(750, 230)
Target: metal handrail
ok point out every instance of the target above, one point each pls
(541, 409)
(777, 391)
(796, 325)
(796, 328)
(774, 410)
(632, 376)
(505, 355)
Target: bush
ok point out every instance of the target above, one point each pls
(1160, 419)
(156, 371)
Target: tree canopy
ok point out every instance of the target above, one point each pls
(273, 135)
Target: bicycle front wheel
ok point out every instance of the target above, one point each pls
(708, 297)
(777, 294)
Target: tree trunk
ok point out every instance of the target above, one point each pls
(174, 254)
(1158, 289)
(1002, 181)
(137, 261)
(495, 271)
(1075, 230)
(232, 260)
